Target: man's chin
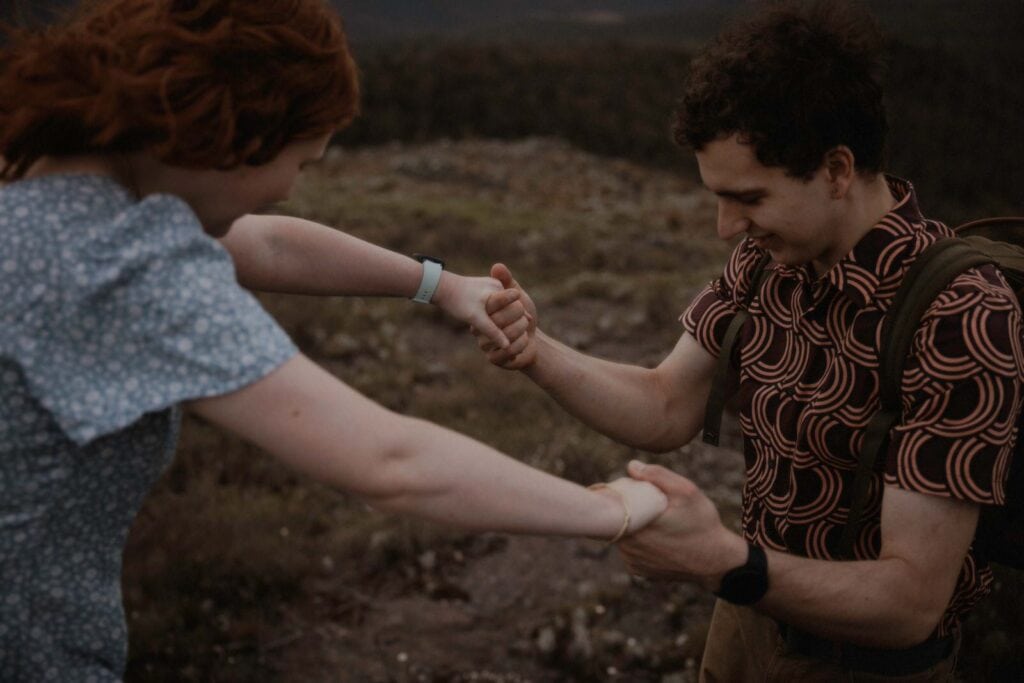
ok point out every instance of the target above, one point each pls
(785, 257)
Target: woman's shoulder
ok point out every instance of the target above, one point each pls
(75, 198)
(74, 240)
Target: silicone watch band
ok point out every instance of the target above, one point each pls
(432, 269)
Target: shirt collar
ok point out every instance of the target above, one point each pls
(880, 253)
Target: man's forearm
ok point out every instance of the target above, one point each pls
(875, 603)
(625, 402)
(292, 255)
(894, 601)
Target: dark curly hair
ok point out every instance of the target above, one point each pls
(794, 81)
(197, 83)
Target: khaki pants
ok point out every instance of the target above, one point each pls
(745, 646)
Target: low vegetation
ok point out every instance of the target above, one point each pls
(238, 570)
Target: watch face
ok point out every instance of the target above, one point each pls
(748, 583)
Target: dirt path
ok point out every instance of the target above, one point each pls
(238, 571)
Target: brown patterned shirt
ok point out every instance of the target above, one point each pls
(809, 385)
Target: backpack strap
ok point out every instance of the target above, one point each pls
(1001, 238)
(725, 381)
(930, 273)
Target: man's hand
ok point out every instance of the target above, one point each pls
(514, 313)
(468, 299)
(686, 543)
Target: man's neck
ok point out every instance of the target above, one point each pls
(866, 203)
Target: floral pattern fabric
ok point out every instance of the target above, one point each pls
(112, 313)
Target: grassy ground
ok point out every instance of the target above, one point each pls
(237, 570)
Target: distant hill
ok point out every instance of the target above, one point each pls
(992, 27)
(377, 21)
(604, 75)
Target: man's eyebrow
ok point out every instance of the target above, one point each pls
(739, 194)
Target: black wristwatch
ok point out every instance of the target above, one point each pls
(747, 583)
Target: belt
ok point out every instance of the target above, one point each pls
(871, 660)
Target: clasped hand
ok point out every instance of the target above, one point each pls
(688, 542)
(677, 535)
(473, 300)
(513, 312)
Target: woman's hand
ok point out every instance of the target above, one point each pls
(465, 299)
(645, 503)
(517, 316)
(688, 542)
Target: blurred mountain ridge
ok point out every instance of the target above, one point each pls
(994, 25)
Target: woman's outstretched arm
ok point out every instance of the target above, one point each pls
(297, 256)
(315, 423)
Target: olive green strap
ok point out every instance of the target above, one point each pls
(876, 436)
(932, 272)
(926, 278)
(725, 381)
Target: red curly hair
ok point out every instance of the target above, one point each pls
(197, 83)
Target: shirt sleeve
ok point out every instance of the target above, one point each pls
(149, 315)
(708, 316)
(961, 394)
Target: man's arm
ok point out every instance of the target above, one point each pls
(319, 426)
(296, 256)
(895, 601)
(655, 409)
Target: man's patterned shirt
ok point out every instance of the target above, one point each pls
(809, 385)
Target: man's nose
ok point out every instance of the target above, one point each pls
(731, 221)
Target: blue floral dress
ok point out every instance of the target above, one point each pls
(112, 312)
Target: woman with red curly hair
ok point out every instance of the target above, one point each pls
(138, 137)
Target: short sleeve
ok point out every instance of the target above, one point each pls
(708, 316)
(961, 394)
(148, 314)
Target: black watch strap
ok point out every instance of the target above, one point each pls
(747, 583)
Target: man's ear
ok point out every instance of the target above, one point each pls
(840, 169)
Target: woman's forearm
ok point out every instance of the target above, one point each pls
(444, 476)
(297, 256)
(326, 430)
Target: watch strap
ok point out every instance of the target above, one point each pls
(432, 269)
(747, 583)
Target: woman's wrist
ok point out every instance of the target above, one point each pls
(446, 286)
(621, 517)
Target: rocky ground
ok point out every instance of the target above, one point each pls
(239, 571)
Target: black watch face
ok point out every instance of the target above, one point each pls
(747, 584)
(745, 587)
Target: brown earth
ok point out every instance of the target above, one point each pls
(237, 570)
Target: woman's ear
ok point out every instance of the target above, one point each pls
(840, 169)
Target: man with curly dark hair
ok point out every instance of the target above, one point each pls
(785, 113)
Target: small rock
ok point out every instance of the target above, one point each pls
(580, 648)
(612, 640)
(427, 560)
(547, 639)
(586, 589)
(340, 345)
